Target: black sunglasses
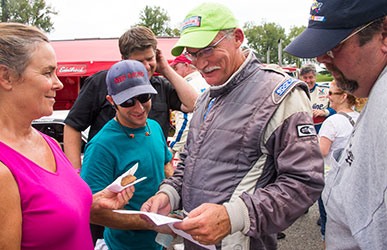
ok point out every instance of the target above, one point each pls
(132, 101)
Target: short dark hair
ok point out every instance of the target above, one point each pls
(307, 68)
(136, 38)
(368, 33)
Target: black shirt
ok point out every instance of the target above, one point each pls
(92, 109)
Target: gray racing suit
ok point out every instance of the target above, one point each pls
(256, 152)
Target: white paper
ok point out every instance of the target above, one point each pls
(116, 187)
(160, 220)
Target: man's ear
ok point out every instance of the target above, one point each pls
(110, 99)
(238, 37)
(384, 35)
(5, 77)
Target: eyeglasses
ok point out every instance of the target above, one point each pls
(132, 101)
(335, 93)
(205, 52)
(330, 52)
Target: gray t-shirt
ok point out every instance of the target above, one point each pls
(355, 191)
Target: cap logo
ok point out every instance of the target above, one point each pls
(193, 21)
(317, 18)
(316, 6)
(122, 78)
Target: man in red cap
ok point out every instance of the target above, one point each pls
(184, 67)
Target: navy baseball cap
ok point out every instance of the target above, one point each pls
(127, 79)
(331, 21)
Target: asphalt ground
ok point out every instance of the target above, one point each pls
(304, 233)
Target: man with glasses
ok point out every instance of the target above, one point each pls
(350, 38)
(250, 166)
(125, 140)
(92, 109)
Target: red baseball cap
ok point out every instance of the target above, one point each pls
(180, 59)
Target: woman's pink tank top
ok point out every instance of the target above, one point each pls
(55, 206)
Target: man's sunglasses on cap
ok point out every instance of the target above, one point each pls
(132, 101)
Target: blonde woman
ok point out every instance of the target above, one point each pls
(44, 203)
(336, 130)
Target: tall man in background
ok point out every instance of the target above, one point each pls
(350, 38)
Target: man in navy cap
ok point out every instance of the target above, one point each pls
(129, 138)
(350, 38)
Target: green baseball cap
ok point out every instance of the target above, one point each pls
(202, 24)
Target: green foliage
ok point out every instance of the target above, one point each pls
(324, 78)
(31, 12)
(266, 37)
(175, 32)
(294, 32)
(157, 19)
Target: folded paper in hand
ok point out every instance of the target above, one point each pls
(160, 220)
(116, 187)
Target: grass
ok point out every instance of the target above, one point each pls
(324, 78)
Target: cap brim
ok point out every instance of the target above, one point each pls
(196, 39)
(132, 92)
(315, 42)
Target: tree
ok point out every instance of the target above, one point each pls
(157, 19)
(264, 39)
(294, 32)
(31, 12)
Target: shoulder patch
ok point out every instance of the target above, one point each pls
(306, 130)
(282, 88)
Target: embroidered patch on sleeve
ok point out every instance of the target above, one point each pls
(284, 86)
(306, 130)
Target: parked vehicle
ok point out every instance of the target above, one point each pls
(53, 126)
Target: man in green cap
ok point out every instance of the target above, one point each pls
(251, 165)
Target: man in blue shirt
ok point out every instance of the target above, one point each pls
(129, 138)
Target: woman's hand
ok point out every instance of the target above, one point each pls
(111, 200)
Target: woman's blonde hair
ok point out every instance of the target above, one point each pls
(17, 42)
(357, 103)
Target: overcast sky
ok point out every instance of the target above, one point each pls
(111, 18)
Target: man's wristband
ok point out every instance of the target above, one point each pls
(78, 170)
